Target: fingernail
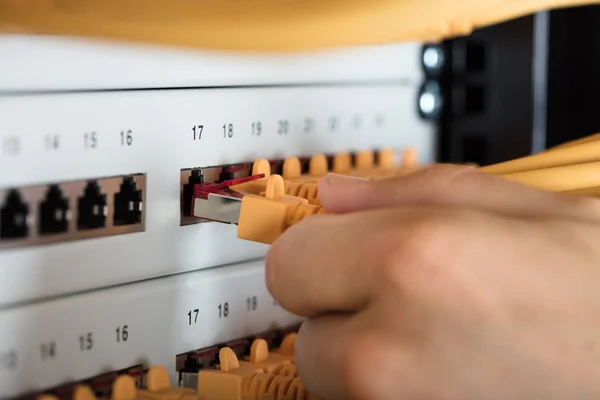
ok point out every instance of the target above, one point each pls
(332, 180)
(339, 177)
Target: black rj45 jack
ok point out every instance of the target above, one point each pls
(13, 217)
(128, 204)
(91, 208)
(54, 212)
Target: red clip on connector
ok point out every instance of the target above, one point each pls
(202, 190)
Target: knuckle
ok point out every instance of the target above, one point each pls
(447, 175)
(427, 246)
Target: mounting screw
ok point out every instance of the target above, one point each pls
(433, 58)
(431, 101)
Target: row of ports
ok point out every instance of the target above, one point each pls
(65, 211)
(188, 366)
(59, 212)
(214, 174)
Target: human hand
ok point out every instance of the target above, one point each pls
(445, 284)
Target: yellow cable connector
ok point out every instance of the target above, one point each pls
(271, 362)
(267, 207)
(238, 380)
(159, 387)
(264, 218)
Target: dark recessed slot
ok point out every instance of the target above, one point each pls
(54, 212)
(474, 99)
(91, 208)
(195, 178)
(305, 165)
(128, 203)
(474, 57)
(13, 217)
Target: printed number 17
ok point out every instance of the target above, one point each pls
(198, 131)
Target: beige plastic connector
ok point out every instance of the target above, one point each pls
(386, 166)
(307, 190)
(342, 164)
(264, 218)
(160, 388)
(260, 166)
(288, 347)
(84, 392)
(235, 380)
(270, 362)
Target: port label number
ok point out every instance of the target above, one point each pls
(11, 145)
(224, 310)
(257, 128)
(126, 138)
(48, 350)
(283, 127)
(52, 142)
(122, 333)
(251, 303)
(197, 130)
(90, 140)
(333, 124)
(8, 360)
(86, 342)
(228, 130)
(356, 122)
(309, 125)
(193, 316)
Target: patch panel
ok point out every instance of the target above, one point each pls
(153, 322)
(76, 210)
(79, 136)
(100, 385)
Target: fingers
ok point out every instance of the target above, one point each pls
(449, 185)
(320, 351)
(325, 263)
(341, 357)
(339, 263)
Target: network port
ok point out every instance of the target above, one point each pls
(91, 207)
(304, 164)
(54, 212)
(128, 203)
(72, 210)
(195, 178)
(13, 217)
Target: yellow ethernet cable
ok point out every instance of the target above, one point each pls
(265, 206)
(265, 25)
(576, 153)
(571, 143)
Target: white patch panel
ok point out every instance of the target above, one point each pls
(79, 136)
(163, 318)
(45, 63)
(74, 110)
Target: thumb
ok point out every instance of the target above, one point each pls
(451, 186)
